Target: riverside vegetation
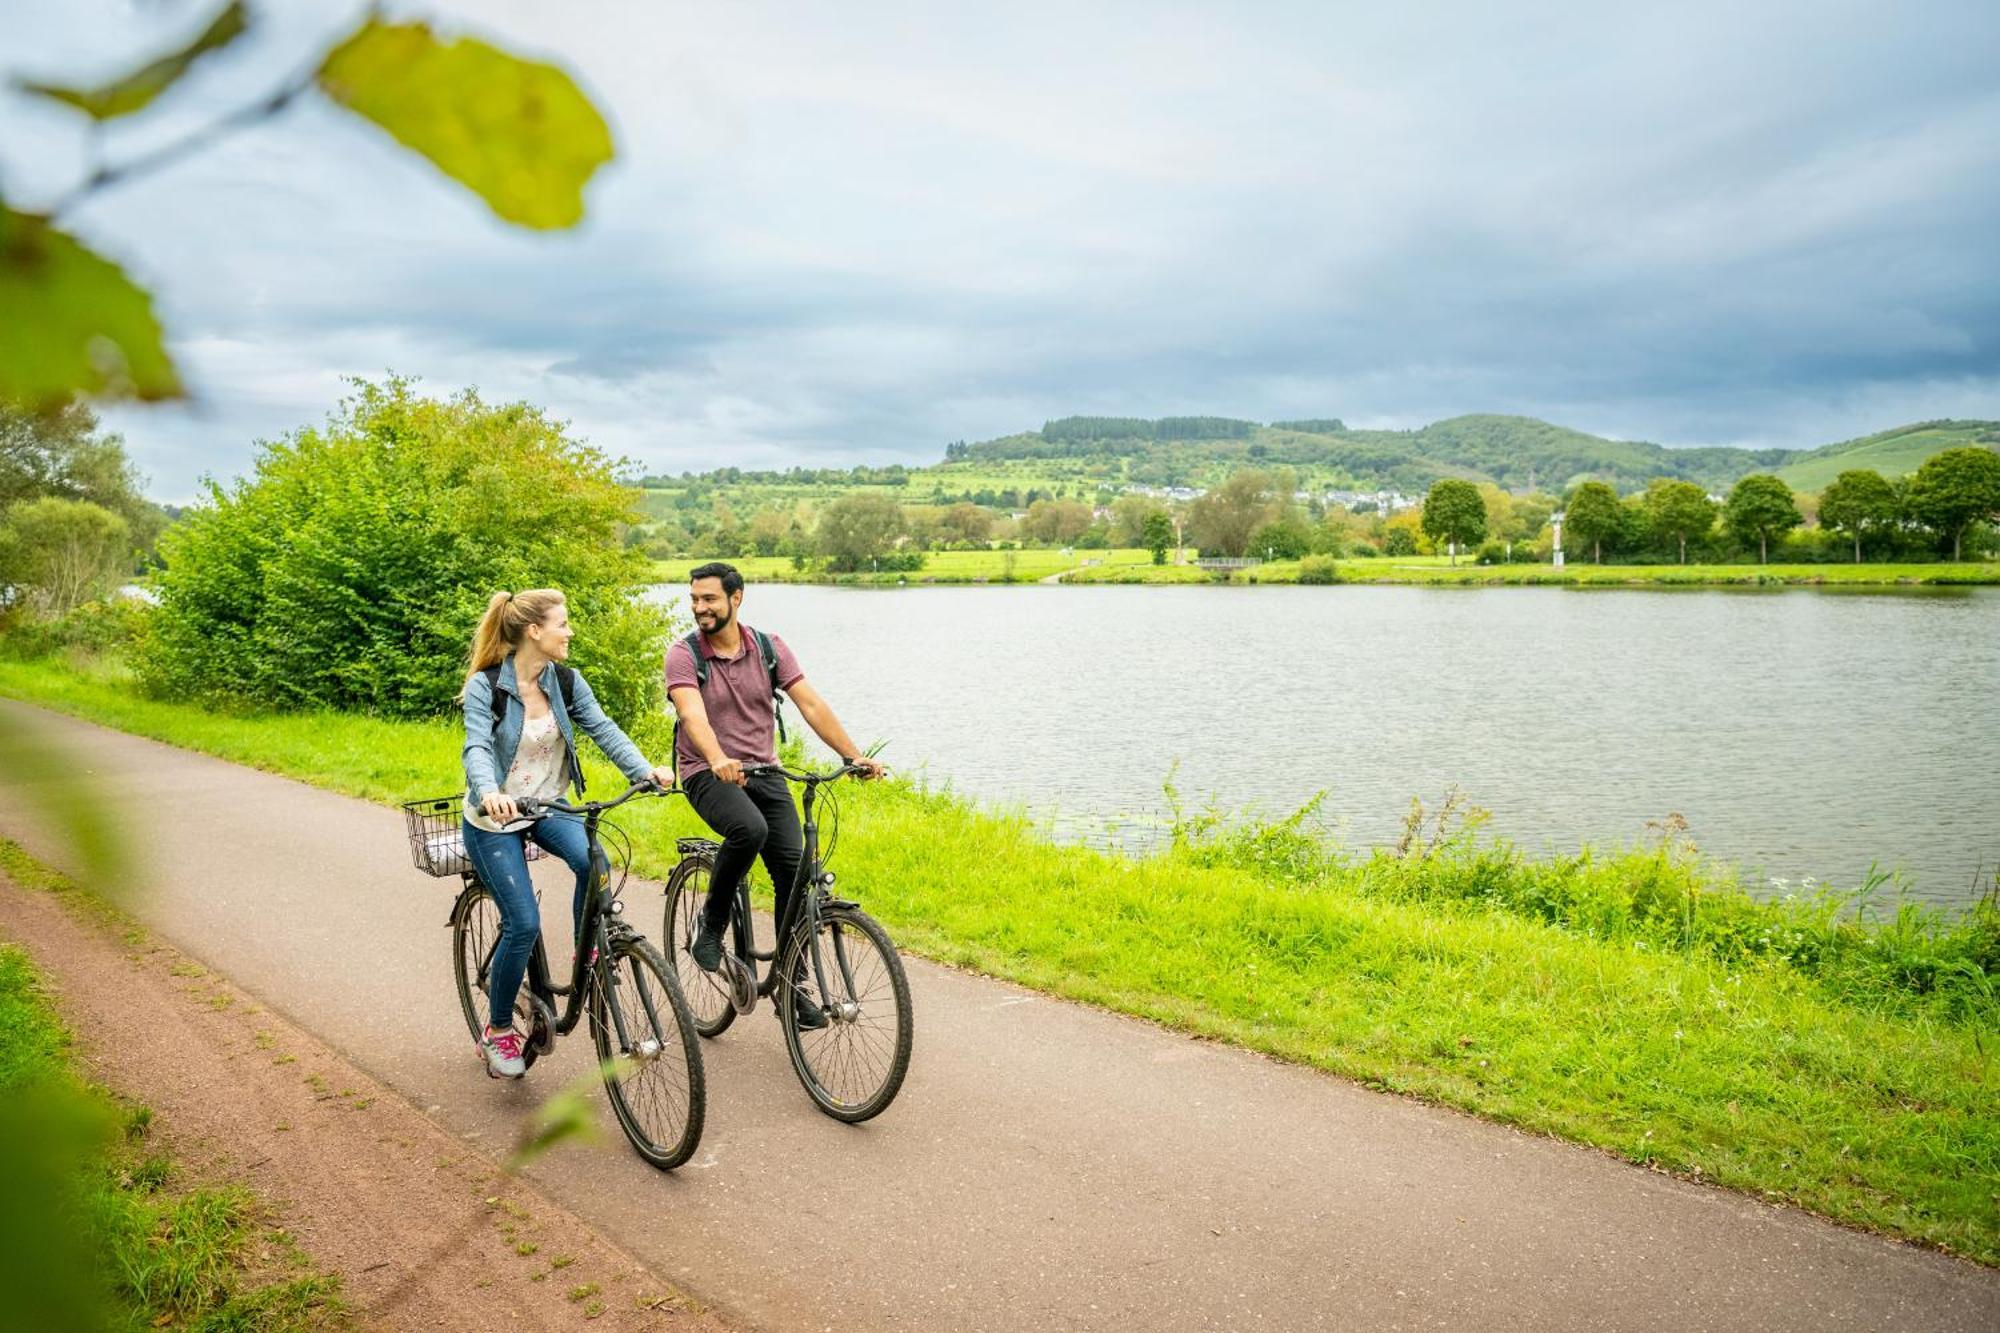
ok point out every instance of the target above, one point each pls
(1833, 1052)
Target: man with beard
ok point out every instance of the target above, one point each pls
(728, 721)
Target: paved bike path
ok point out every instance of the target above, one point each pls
(1047, 1166)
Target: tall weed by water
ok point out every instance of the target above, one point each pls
(1874, 946)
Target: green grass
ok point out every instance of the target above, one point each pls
(1436, 570)
(939, 567)
(1136, 566)
(1893, 453)
(1633, 1000)
(96, 1225)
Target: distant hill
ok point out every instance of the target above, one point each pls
(1893, 453)
(1516, 452)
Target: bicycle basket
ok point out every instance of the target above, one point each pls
(437, 836)
(437, 843)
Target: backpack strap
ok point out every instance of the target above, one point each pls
(769, 652)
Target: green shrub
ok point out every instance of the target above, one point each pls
(1319, 569)
(94, 627)
(1493, 553)
(349, 569)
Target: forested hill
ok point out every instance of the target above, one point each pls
(1516, 452)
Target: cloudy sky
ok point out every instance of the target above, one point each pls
(853, 232)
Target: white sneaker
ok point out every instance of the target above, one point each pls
(503, 1054)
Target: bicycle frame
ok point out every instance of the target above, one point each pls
(599, 920)
(808, 897)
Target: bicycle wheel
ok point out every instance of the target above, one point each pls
(852, 1067)
(647, 1052)
(475, 932)
(707, 993)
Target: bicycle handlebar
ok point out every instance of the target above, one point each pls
(809, 778)
(534, 808)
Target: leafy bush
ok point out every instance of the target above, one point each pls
(1399, 541)
(1493, 553)
(1319, 569)
(1363, 551)
(349, 570)
(94, 627)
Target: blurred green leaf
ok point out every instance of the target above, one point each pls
(32, 760)
(74, 321)
(517, 132)
(47, 1135)
(136, 91)
(566, 1115)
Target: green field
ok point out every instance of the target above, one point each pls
(1136, 566)
(1632, 999)
(1435, 570)
(939, 567)
(1893, 453)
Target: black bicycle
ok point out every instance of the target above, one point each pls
(639, 1019)
(841, 965)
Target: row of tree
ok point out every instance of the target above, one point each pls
(1947, 496)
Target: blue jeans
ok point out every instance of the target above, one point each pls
(502, 862)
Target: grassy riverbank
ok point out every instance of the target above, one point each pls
(166, 1251)
(1437, 571)
(1137, 567)
(1634, 1000)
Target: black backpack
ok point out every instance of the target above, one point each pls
(566, 682)
(765, 650)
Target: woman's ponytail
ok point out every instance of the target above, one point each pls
(507, 618)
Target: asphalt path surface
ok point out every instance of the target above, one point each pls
(1047, 1165)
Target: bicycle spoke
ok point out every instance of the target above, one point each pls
(854, 1064)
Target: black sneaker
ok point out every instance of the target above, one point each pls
(807, 1016)
(806, 1013)
(707, 947)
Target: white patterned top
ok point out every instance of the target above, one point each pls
(538, 770)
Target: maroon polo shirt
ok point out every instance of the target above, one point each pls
(737, 697)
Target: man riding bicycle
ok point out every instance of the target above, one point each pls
(723, 681)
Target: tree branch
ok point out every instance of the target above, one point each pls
(118, 173)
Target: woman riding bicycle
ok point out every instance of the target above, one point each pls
(520, 704)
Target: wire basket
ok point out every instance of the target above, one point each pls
(437, 839)
(437, 836)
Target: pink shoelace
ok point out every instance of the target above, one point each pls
(508, 1043)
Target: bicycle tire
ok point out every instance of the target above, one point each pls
(846, 1079)
(659, 1093)
(475, 930)
(706, 993)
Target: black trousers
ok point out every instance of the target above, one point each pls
(759, 818)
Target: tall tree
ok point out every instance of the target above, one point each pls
(1223, 519)
(1679, 509)
(1592, 515)
(1955, 489)
(857, 528)
(1760, 506)
(1158, 535)
(61, 452)
(1454, 512)
(1858, 502)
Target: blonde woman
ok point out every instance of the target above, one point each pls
(522, 708)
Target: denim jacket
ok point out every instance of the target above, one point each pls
(489, 750)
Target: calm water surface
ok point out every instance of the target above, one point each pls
(1802, 734)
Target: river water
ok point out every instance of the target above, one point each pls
(1802, 734)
